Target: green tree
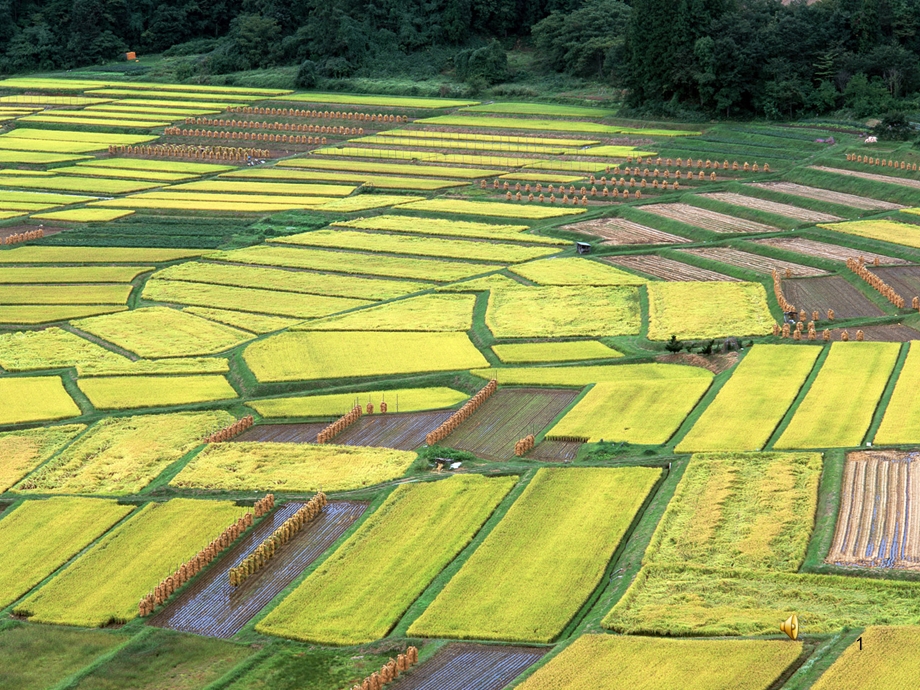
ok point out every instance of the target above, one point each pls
(588, 42)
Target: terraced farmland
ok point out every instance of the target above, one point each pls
(201, 285)
(875, 527)
(471, 667)
(756, 262)
(786, 210)
(215, 608)
(822, 250)
(829, 292)
(706, 219)
(508, 416)
(818, 194)
(619, 231)
(667, 269)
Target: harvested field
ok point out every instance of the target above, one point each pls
(555, 451)
(404, 431)
(470, 667)
(818, 194)
(895, 333)
(876, 526)
(829, 292)
(706, 219)
(214, 608)
(714, 363)
(666, 269)
(786, 210)
(505, 418)
(282, 433)
(619, 231)
(904, 279)
(755, 262)
(822, 250)
(875, 177)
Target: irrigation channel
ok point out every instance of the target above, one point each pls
(214, 608)
(470, 667)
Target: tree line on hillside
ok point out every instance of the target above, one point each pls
(727, 58)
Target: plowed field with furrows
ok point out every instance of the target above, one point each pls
(877, 526)
(895, 333)
(904, 279)
(505, 418)
(555, 451)
(404, 431)
(283, 433)
(787, 210)
(755, 262)
(470, 667)
(706, 219)
(823, 250)
(875, 177)
(819, 194)
(212, 607)
(619, 231)
(829, 292)
(666, 269)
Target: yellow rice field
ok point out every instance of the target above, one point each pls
(291, 467)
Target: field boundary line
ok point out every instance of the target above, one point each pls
(630, 561)
(882, 405)
(247, 633)
(715, 386)
(588, 605)
(821, 660)
(568, 408)
(803, 391)
(237, 672)
(440, 581)
(827, 512)
(101, 342)
(57, 571)
(74, 679)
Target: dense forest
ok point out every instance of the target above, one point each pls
(733, 58)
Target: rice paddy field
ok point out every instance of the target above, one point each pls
(591, 400)
(549, 575)
(647, 663)
(104, 584)
(291, 467)
(855, 374)
(349, 604)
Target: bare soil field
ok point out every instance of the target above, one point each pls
(404, 431)
(755, 262)
(877, 526)
(15, 229)
(823, 250)
(829, 292)
(706, 219)
(507, 417)
(819, 194)
(283, 433)
(787, 210)
(470, 667)
(555, 451)
(894, 333)
(619, 231)
(212, 606)
(665, 269)
(875, 177)
(714, 363)
(904, 279)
